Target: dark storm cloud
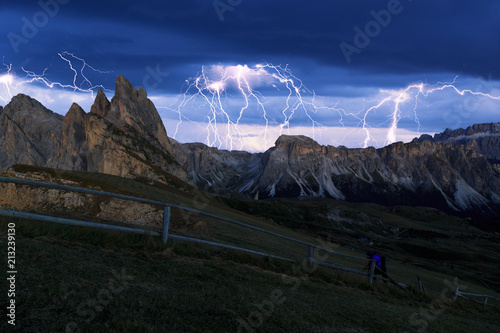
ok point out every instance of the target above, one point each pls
(459, 37)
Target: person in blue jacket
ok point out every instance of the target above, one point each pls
(379, 262)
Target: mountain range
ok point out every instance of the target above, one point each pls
(457, 171)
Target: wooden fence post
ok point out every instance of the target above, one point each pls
(455, 294)
(420, 285)
(166, 223)
(310, 256)
(372, 271)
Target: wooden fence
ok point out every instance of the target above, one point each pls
(458, 293)
(164, 234)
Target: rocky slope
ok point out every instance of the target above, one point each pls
(216, 170)
(437, 173)
(124, 137)
(485, 138)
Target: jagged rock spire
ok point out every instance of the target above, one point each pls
(101, 104)
(72, 153)
(131, 110)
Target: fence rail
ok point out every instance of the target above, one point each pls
(166, 222)
(458, 293)
(30, 216)
(342, 268)
(38, 217)
(156, 203)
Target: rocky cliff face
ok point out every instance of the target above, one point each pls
(445, 174)
(124, 137)
(29, 133)
(73, 148)
(131, 111)
(217, 170)
(484, 138)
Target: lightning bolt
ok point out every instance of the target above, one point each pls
(11, 82)
(212, 88)
(210, 91)
(412, 93)
(226, 95)
(6, 81)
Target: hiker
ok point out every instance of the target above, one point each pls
(379, 262)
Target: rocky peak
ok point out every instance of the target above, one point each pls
(31, 115)
(72, 150)
(299, 141)
(142, 93)
(29, 132)
(297, 144)
(124, 89)
(483, 128)
(131, 111)
(484, 138)
(486, 128)
(424, 137)
(73, 128)
(112, 139)
(74, 115)
(20, 105)
(101, 104)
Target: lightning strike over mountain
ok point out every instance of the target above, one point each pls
(80, 82)
(215, 86)
(218, 89)
(231, 99)
(6, 82)
(413, 93)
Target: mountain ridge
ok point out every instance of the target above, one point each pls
(484, 138)
(442, 175)
(457, 171)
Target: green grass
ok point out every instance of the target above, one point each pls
(64, 276)
(432, 255)
(433, 245)
(190, 287)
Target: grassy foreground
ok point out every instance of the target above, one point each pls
(83, 280)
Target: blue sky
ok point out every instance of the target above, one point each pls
(350, 55)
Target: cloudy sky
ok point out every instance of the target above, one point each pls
(356, 73)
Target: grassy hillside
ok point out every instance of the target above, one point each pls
(416, 240)
(186, 287)
(83, 280)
